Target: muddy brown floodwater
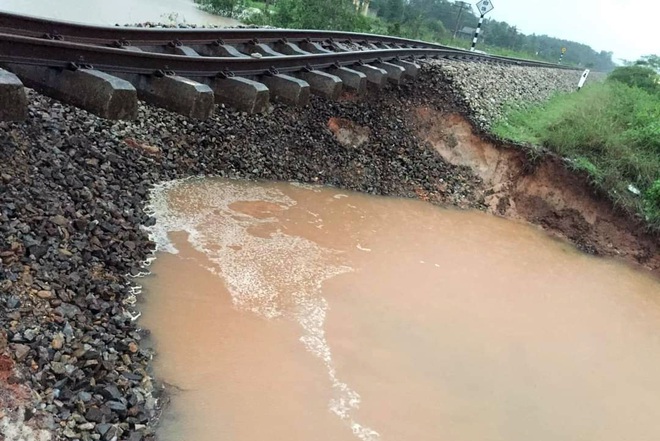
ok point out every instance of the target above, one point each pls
(287, 312)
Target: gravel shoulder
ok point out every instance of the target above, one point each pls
(487, 89)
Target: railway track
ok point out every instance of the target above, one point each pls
(106, 69)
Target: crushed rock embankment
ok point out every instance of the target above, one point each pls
(72, 193)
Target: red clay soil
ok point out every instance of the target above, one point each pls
(544, 193)
(12, 394)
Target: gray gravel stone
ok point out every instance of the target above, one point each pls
(488, 89)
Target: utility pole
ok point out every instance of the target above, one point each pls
(484, 7)
(461, 5)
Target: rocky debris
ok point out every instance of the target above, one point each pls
(488, 89)
(72, 195)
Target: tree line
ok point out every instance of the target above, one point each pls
(432, 20)
(442, 18)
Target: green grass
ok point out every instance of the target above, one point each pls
(610, 131)
(463, 43)
(256, 4)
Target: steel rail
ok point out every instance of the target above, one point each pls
(61, 54)
(108, 35)
(113, 36)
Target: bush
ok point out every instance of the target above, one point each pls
(637, 76)
(652, 202)
(226, 8)
(319, 14)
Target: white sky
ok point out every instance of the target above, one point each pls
(629, 28)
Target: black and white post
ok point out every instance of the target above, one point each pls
(583, 79)
(476, 33)
(561, 57)
(484, 7)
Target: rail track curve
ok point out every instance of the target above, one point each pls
(106, 69)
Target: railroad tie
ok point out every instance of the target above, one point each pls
(13, 100)
(395, 73)
(259, 48)
(376, 77)
(218, 50)
(287, 48)
(340, 47)
(185, 50)
(313, 47)
(240, 93)
(370, 46)
(412, 69)
(174, 93)
(287, 89)
(353, 80)
(322, 83)
(97, 92)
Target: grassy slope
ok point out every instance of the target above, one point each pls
(609, 130)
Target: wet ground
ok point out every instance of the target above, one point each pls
(105, 12)
(302, 313)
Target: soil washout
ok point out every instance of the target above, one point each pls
(543, 191)
(72, 195)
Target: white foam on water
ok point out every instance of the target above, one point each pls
(274, 276)
(310, 187)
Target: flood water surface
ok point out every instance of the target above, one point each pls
(285, 312)
(104, 12)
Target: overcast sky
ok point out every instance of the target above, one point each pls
(629, 28)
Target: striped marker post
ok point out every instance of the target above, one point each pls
(561, 57)
(484, 7)
(476, 33)
(583, 79)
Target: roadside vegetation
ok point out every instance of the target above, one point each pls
(446, 22)
(609, 130)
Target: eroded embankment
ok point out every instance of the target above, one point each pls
(542, 191)
(72, 195)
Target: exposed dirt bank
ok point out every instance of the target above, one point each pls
(544, 191)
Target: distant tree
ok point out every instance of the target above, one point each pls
(227, 8)
(426, 20)
(392, 10)
(652, 61)
(637, 76)
(319, 14)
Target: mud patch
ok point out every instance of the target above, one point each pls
(347, 133)
(544, 193)
(15, 416)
